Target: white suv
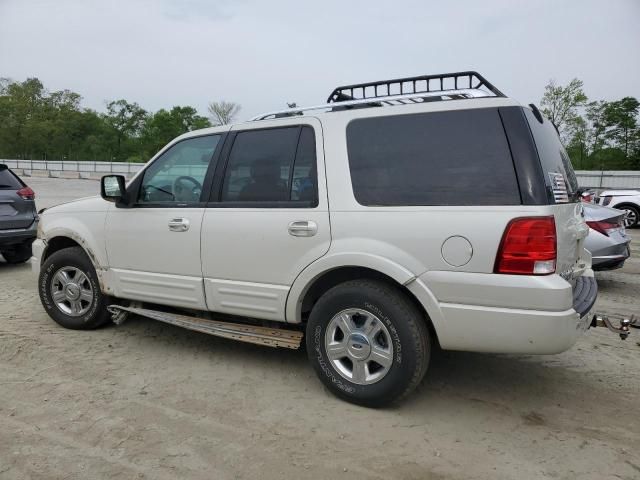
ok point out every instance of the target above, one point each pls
(399, 215)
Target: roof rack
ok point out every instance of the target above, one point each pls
(409, 85)
(366, 102)
(401, 91)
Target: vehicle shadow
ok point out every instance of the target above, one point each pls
(13, 267)
(506, 383)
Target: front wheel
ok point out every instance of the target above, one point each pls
(70, 292)
(368, 343)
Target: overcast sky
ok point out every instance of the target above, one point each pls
(262, 54)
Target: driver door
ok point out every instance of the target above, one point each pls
(153, 247)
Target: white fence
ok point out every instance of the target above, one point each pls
(597, 179)
(73, 166)
(609, 179)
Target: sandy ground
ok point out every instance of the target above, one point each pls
(148, 400)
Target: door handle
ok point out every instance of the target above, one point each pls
(179, 224)
(304, 228)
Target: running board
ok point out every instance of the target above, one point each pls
(271, 337)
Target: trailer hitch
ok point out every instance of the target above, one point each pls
(624, 324)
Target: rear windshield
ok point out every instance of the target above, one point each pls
(553, 157)
(440, 158)
(8, 181)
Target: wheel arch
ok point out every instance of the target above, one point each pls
(627, 203)
(306, 291)
(62, 240)
(56, 244)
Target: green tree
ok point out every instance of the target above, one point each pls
(163, 126)
(20, 107)
(126, 120)
(560, 105)
(36, 123)
(621, 119)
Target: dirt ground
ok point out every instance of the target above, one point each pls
(148, 400)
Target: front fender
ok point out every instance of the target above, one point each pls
(86, 229)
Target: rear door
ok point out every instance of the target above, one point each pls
(268, 217)
(15, 212)
(562, 186)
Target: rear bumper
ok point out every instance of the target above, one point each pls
(18, 235)
(546, 321)
(613, 257)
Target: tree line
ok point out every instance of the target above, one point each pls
(598, 134)
(39, 124)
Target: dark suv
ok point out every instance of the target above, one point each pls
(18, 217)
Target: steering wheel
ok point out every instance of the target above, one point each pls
(184, 193)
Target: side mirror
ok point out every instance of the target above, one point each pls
(112, 188)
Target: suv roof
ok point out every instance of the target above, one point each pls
(459, 90)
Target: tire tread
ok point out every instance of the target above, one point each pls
(389, 295)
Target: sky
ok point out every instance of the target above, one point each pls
(262, 54)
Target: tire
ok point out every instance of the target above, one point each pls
(633, 216)
(92, 312)
(403, 340)
(18, 254)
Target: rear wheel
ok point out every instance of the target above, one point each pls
(633, 216)
(70, 292)
(18, 253)
(368, 343)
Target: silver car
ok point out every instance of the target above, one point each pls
(607, 240)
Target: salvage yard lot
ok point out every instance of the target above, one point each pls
(148, 400)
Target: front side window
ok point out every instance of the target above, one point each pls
(177, 176)
(272, 165)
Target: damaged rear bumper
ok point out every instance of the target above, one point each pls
(585, 293)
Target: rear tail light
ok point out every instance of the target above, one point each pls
(528, 247)
(26, 193)
(604, 227)
(587, 197)
(606, 201)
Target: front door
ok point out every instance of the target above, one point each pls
(154, 247)
(268, 217)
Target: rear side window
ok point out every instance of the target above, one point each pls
(8, 181)
(553, 158)
(272, 165)
(441, 158)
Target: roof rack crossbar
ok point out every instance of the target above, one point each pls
(409, 85)
(389, 100)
